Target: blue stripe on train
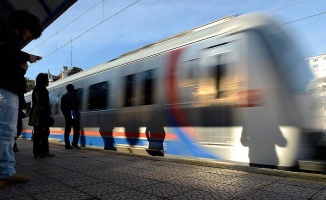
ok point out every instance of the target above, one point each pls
(182, 146)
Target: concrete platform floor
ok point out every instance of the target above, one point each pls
(99, 174)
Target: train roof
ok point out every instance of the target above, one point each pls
(224, 26)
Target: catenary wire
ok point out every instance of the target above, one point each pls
(66, 25)
(304, 18)
(91, 28)
(288, 6)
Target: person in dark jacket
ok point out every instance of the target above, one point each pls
(21, 27)
(69, 108)
(39, 117)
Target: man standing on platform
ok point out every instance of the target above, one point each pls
(21, 27)
(69, 108)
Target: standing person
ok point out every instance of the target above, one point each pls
(40, 115)
(21, 27)
(69, 108)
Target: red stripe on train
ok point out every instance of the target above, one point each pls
(169, 136)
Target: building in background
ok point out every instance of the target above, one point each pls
(318, 88)
(30, 84)
(318, 65)
(65, 71)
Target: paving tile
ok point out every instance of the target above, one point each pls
(130, 194)
(61, 175)
(13, 192)
(102, 188)
(258, 195)
(199, 194)
(163, 190)
(83, 181)
(296, 191)
(247, 182)
(303, 183)
(134, 182)
(63, 193)
(44, 187)
(320, 195)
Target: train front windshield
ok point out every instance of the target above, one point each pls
(295, 71)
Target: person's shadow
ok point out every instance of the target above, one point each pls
(262, 150)
(106, 132)
(155, 135)
(132, 132)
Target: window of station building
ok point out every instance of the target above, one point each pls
(148, 80)
(97, 99)
(315, 66)
(79, 94)
(129, 99)
(315, 60)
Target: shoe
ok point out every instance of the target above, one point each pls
(75, 146)
(15, 148)
(68, 147)
(16, 178)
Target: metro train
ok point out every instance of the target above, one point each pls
(233, 90)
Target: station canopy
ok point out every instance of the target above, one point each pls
(46, 10)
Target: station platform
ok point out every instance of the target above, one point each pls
(101, 174)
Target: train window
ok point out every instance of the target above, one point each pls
(129, 82)
(97, 98)
(79, 94)
(28, 108)
(55, 103)
(148, 78)
(221, 72)
(216, 75)
(188, 73)
(221, 75)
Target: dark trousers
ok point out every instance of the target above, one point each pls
(41, 140)
(19, 128)
(75, 124)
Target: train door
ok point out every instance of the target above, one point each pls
(219, 82)
(217, 74)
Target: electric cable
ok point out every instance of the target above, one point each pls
(120, 11)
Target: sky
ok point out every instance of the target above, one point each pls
(92, 32)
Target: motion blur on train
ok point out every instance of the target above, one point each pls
(233, 90)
